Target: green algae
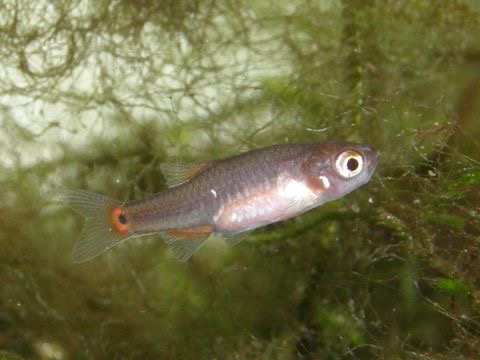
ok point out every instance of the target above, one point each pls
(390, 271)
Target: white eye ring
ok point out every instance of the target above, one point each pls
(349, 163)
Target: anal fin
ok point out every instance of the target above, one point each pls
(184, 249)
(185, 242)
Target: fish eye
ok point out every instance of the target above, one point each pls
(349, 163)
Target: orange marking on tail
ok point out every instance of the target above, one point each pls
(120, 221)
(196, 232)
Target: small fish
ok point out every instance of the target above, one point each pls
(226, 198)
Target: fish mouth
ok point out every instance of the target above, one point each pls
(375, 158)
(372, 158)
(371, 155)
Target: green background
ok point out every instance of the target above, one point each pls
(96, 95)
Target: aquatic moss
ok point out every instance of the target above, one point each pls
(98, 95)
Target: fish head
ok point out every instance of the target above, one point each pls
(334, 169)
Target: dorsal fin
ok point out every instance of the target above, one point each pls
(178, 173)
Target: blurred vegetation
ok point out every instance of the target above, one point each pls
(96, 94)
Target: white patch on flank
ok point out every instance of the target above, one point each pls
(214, 193)
(218, 214)
(325, 181)
(293, 197)
(293, 189)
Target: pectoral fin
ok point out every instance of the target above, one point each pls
(235, 239)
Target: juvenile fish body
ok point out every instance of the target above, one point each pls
(226, 198)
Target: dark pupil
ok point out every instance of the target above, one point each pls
(352, 164)
(122, 219)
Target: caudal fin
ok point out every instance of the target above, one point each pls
(105, 224)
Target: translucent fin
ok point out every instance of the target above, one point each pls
(184, 248)
(235, 238)
(177, 173)
(98, 234)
